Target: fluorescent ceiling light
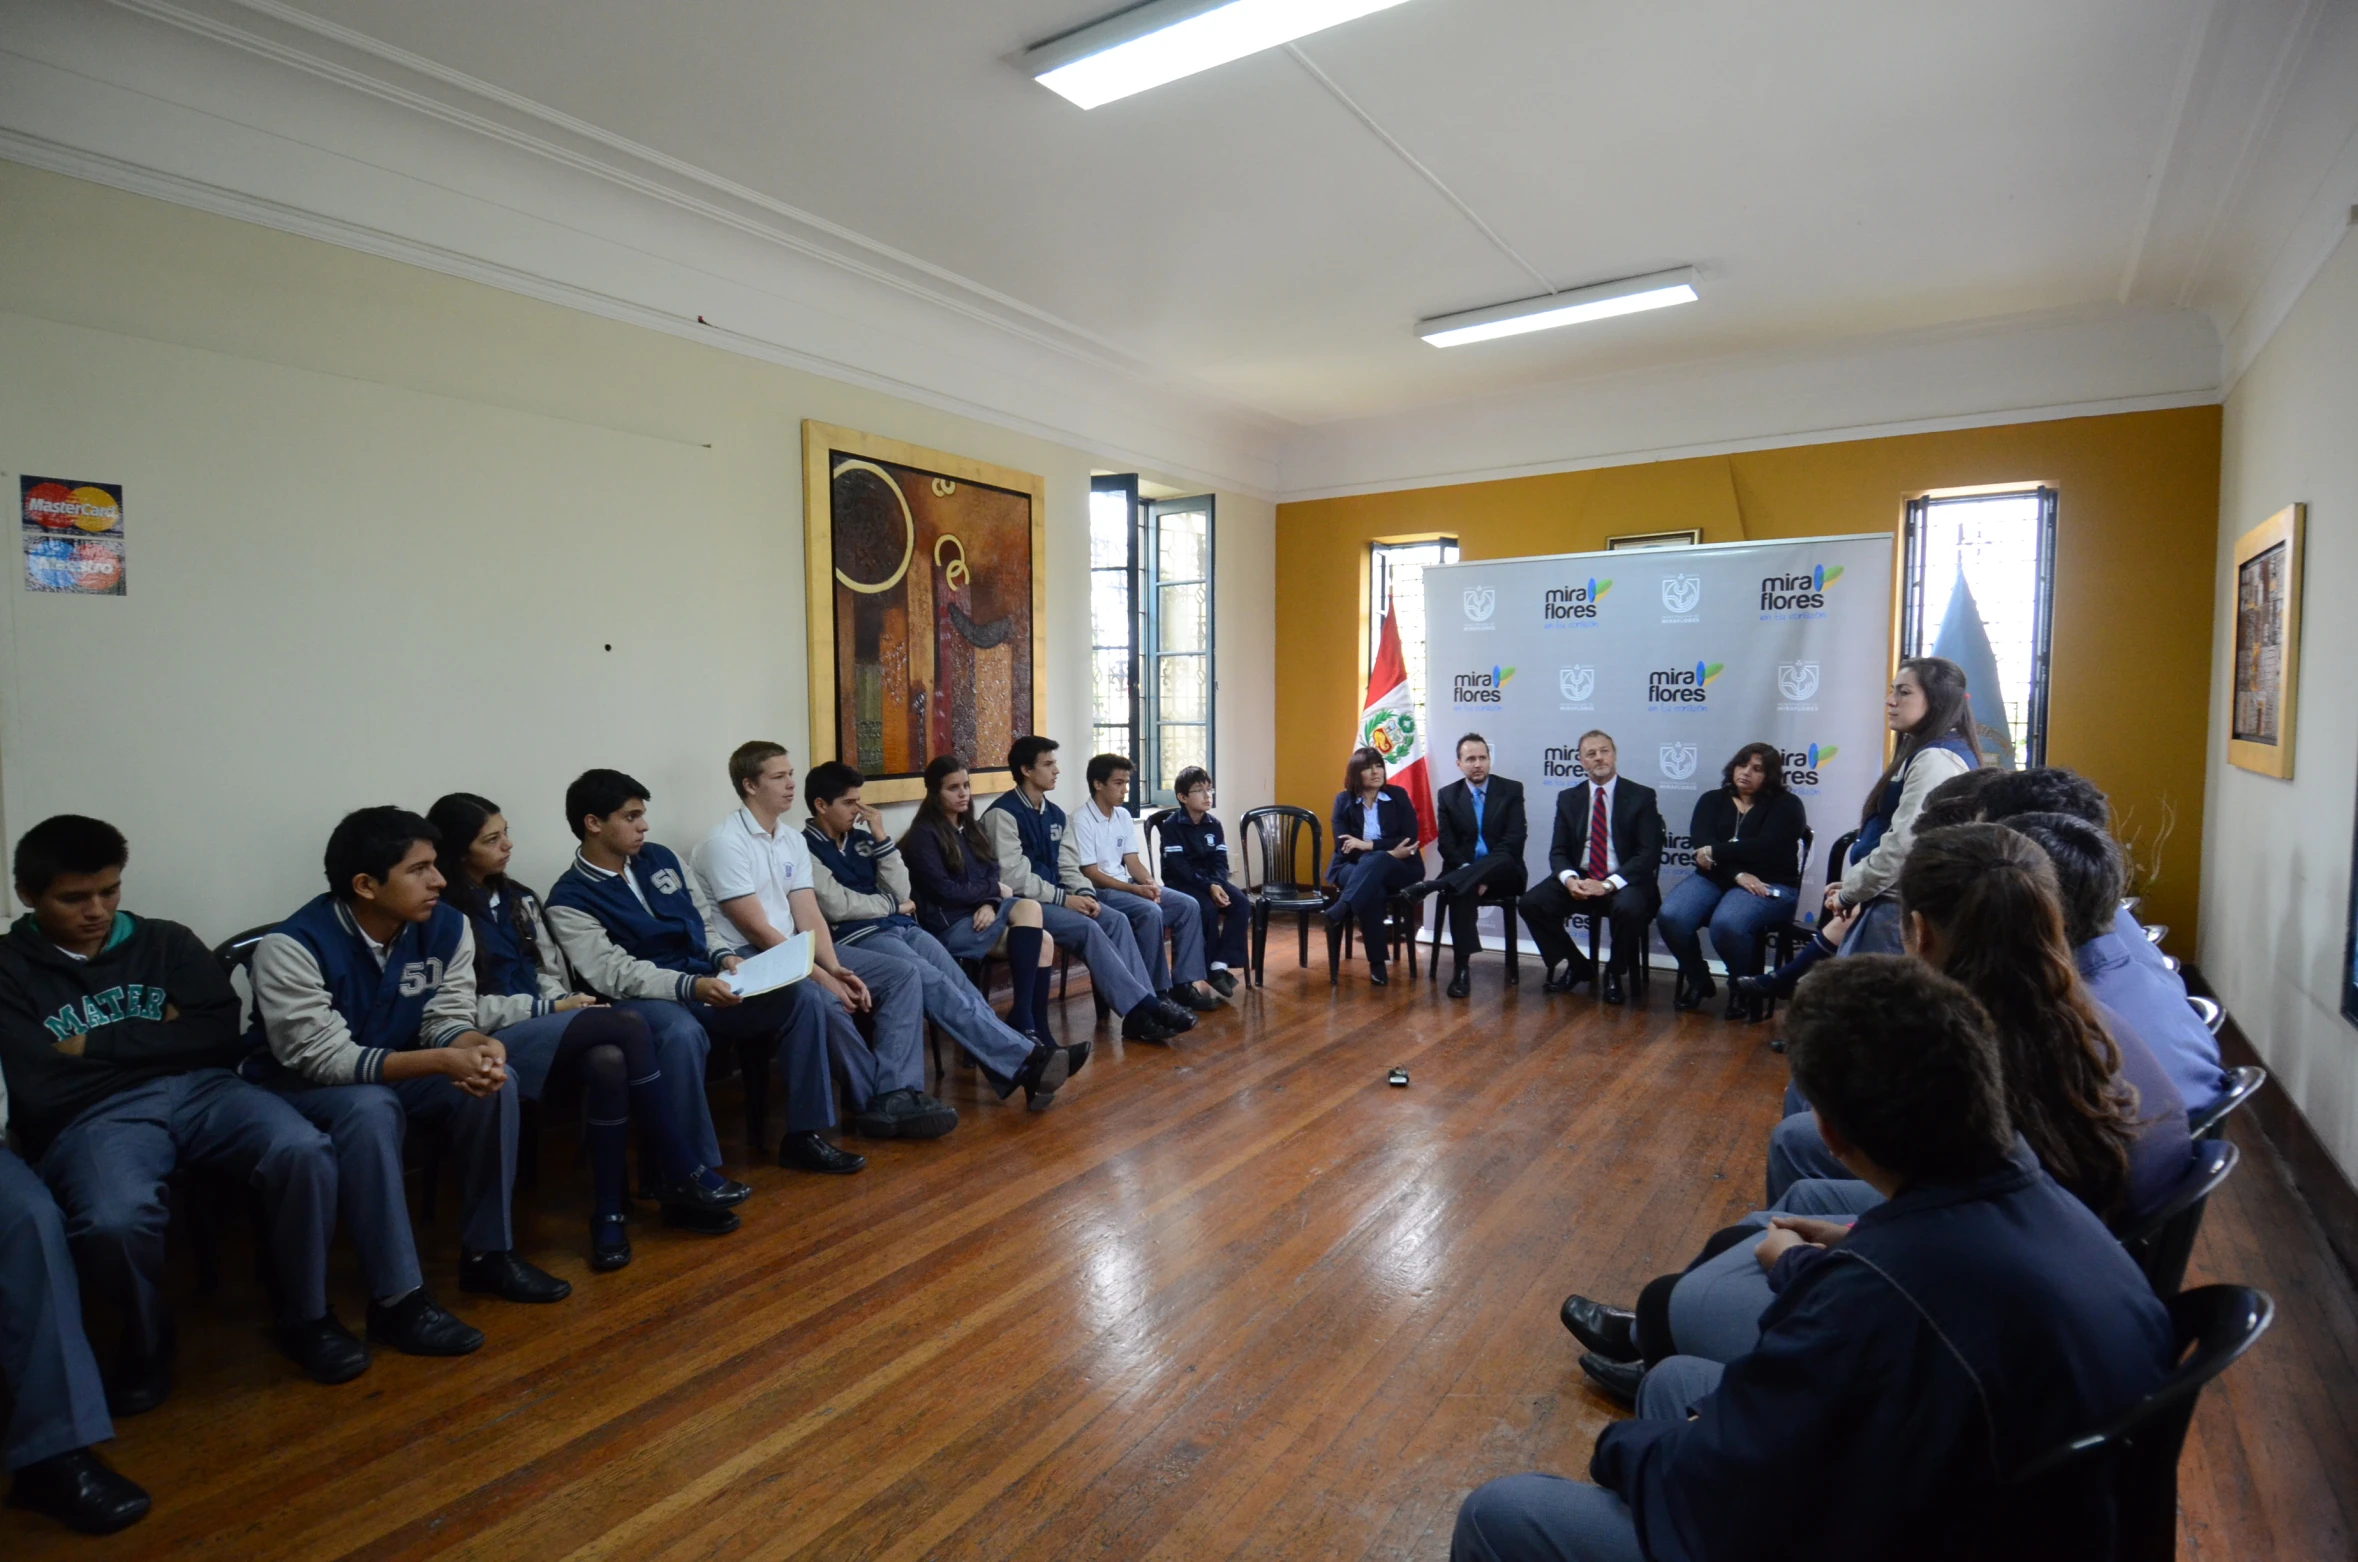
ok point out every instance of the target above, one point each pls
(1629, 296)
(1164, 40)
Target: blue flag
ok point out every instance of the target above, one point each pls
(1965, 641)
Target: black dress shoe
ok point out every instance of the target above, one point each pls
(917, 1115)
(1462, 983)
(77, 1489)
(610, 1243)
(417, 1326)
(1608, 1331)
(1612, 992)
(1742, 1008)
(1222, 983)
(509, 1278)
(1689, 994)
(324, 1348)
(1142, 1024)
(877, 1120)
(1420, 889)
(1191, 997)
(138, 1384)
(1616, 1380)
(703, 1222)
(1173, 1018)
(716, 1193)
(812, 1153)
(1377, 978)
(1570, 977)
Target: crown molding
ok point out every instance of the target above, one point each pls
(254, 111)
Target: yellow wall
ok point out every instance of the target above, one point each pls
(2136, 531)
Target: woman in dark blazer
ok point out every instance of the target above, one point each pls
(1375, 851)
(1747, 837)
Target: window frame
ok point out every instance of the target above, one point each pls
(1913, 619)
(1146, 683)
(1379, 552)
(1127, 486)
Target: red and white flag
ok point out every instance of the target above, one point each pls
(1388, 724)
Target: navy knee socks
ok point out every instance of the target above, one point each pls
(1024, 976)
(619, 1080)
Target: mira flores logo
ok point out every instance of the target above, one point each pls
(1677, 686)
(1803, 594)
(1481, 688)
(1573, 606)
(1803, 766)
(1563, 764)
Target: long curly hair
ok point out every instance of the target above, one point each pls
(1991, 895)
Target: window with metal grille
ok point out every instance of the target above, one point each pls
(1152, 680)
(1980, 590)
(1396, 573)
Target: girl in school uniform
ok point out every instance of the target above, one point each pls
(557, 1037)
(954, 878)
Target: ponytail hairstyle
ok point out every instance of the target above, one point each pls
(956, 837)
(459, 816)
(1948, 713)
(1991, 895)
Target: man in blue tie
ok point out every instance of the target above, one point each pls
(1482, 836)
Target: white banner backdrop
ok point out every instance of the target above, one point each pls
(1684, 655)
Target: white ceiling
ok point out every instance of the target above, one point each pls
(1845, 173)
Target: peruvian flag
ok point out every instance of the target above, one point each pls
(1387, 724)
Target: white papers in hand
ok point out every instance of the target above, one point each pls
(780, 965)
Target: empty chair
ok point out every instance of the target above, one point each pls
(2136, 1453)
(1277, 880)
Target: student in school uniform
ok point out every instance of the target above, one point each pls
(632, 924)
(863, 890)
(954, 882)
(1031, 839)
(119, 1036)
(755, 870)
(1195, 863)
(1104, 862)
(524, 997)
(364, 1004)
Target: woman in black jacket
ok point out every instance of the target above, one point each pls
(1375, 851)
(1747, 836)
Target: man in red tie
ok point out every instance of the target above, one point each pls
(1606, 855)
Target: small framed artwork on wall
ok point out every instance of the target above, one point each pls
(2267, 644)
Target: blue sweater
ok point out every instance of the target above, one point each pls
(1959, 1332)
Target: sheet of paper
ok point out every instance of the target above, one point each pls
(781, 965)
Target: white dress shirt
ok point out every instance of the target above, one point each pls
(1612, 852)
(1103, 840)
(740, 858)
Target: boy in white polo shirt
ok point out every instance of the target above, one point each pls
(756, 871)
(1105, 863)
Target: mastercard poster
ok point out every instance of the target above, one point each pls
(73, 536)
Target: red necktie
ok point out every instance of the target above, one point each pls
(1596, 834)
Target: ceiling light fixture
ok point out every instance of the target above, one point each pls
(1629, 296)
(1164, 40)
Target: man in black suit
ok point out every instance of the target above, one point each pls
(1605, 856)
(1482, 836)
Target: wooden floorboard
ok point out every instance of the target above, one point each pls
(1234, 1298)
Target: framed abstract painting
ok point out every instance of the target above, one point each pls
(2267, 644)
(927, 588)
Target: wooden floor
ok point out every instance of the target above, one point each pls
(1235, 1298)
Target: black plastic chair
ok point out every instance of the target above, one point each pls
(2243, 1084)
(2163, 1242)
(1272, 839)
(2208, 1010)
(2136, 1453)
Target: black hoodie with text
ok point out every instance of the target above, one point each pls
(75, 1032)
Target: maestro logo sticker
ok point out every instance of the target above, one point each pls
(1577, 684)
(1573, 604)
(1797, 680)
(1678, 760)
(1682, 593)
(1481, 602)
(1682, 685)
(1480, 688)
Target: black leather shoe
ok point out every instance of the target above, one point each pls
(1222, 983)
(1705, 988)
(1689, 994)
(1608, 1331)
(1616, 1380)
(812, 1153)
(917, 1115)
(509, 1278)
(1191, 997)
(1612, 992)
(703, 1222)
(1045, 1070)
(138, 1384)
(1077, 1055)
(77, 1489)
(876, 1120)
(1421, 888)
(1377, 978)
(323, 1348)
(1142, 1024)
(696, 1192)
(1742, 1007)
(1462, 983)
(1172, 1017)
(417, 1326)
(1570, 977)
(610, 1243)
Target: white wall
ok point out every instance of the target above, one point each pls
(2276, 854)
(384, 526)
